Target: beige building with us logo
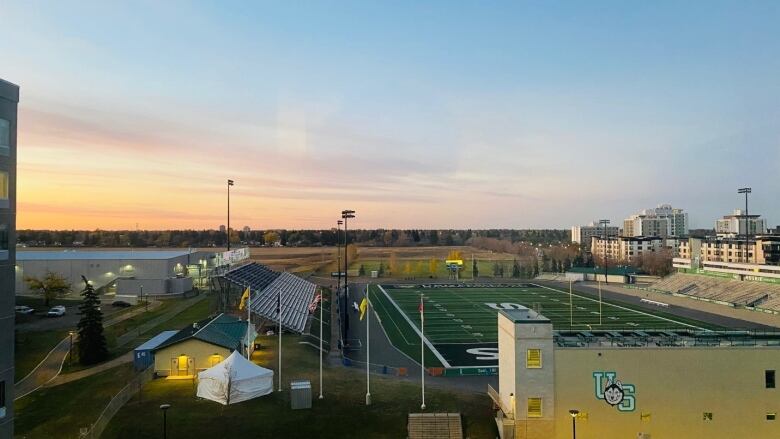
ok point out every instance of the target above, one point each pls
(681, 384)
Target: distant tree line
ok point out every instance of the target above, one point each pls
(292, 238)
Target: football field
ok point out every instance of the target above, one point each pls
(461, 321)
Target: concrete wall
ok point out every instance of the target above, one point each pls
(199, 351)
(9, 96)
(673, 388)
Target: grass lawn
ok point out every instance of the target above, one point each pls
(342, 413)
(32, 347)
(60, 411)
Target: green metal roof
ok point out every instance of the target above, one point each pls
(222, 330)
(619, 270)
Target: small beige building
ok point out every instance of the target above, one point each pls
(633, 384)
(202, 345)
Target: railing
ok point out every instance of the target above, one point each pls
(496, 397)
(124, 395)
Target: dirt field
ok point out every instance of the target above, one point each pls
(321, 260)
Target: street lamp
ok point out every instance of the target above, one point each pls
(746, 191)
(70, 348)
(604, 223)
(346, 215)
(574, 413)
(229, 183)
(164, 408)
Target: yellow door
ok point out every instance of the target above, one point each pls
(183, 365)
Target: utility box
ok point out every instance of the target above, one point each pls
(300, 394)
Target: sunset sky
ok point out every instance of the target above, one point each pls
(434, 115)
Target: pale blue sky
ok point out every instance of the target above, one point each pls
(442, 114)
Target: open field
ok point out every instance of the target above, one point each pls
(460, 322)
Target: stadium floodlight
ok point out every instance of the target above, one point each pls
(346, 215)
(574, 413)
(604, 223)
(229, 183)
(746, 191)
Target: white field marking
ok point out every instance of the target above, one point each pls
(632, 324)
(595, 313)
(394, 324)
(438, 355)
(581, 308)
(624, 308)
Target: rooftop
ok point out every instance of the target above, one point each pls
(524, 315)
(75, 255)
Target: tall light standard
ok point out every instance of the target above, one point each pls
(574, 413)
(164, 408)
(229, 183)
(746, 191)
(346, 215)
(604, 223)
(338, 254)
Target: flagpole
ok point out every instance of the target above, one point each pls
(571, 308)
(321, 306)
(249, 323)
(599, 303)
(280, 340)
(368, 347)
(422, 349)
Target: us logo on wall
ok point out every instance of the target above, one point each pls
(614, 392)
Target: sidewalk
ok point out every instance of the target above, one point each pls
(51, 366)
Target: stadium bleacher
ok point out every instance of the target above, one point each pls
(268, 286)
(743, 293)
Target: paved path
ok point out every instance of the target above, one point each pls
(68, 377)
(51, 366)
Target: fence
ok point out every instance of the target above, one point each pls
(124, 395)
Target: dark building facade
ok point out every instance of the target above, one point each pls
(9, 98)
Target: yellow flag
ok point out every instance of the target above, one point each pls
(363, 308)
(244, 298)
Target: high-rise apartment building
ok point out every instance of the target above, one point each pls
(663, 221)
(584, 234)
(9, 98)
(738, 223)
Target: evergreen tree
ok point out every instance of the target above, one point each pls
(381, 271)
(474, 268)
(536, 268)
(362, 270)
(92, 343)
(515, 269)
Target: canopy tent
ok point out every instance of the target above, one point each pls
(234, 380)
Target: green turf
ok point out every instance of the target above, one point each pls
(463, 316)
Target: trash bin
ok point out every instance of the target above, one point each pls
(300, 394)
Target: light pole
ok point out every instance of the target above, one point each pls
(164, 408)
(346, 215)
(70, 349)
(746, 191)
(338, 254)
(574, 413)
(229, 183)
(604, 223)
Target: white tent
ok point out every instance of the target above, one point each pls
(234, 380)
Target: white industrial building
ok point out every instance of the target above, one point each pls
(126, 272)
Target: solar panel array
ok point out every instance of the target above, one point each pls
(267, 286)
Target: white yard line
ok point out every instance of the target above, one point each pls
(621, 307)
(438, 355)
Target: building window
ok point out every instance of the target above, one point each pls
(769, 379)
(771, 416)
(534, 407)
(707, 416)
(3, 185)
(5, 137)
(533, 359)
